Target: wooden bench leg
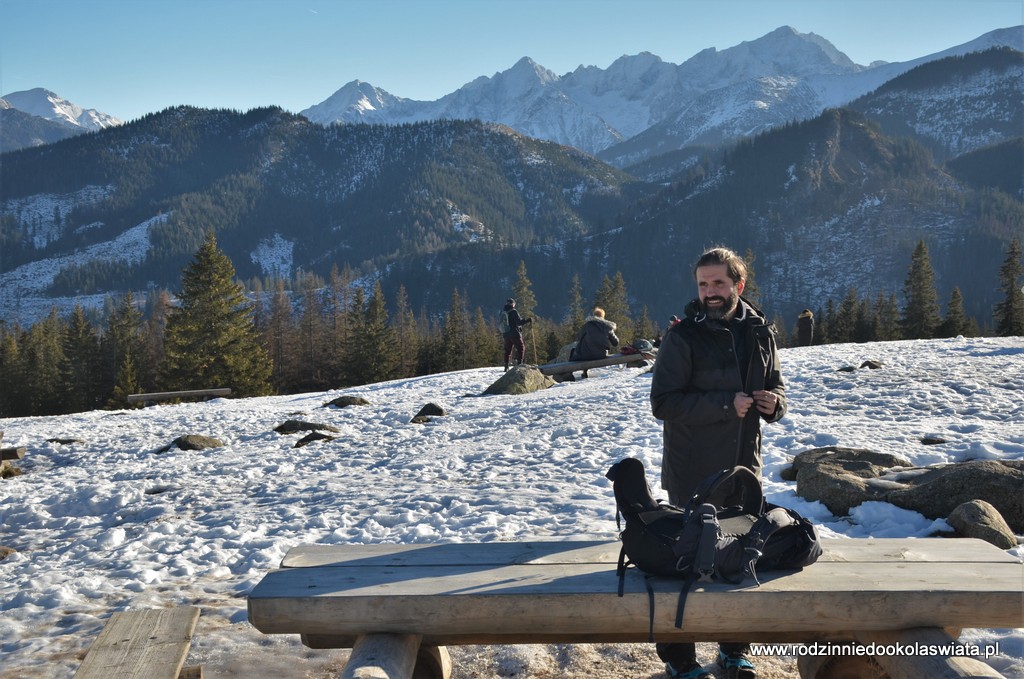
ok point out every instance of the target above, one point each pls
(396, 656)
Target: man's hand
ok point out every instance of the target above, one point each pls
(766, 401)
(741, 403)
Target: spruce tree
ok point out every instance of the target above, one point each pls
(1009, 313)
(375, 346)
(454, 336)
(955, 322)
(921, 314)
(522, 292)
(573, 321)
(81, 367)
(12, 395)
(211, 340)
(406, 335)
(122, 339)
(612, 297)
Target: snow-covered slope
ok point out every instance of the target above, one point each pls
(45, 104)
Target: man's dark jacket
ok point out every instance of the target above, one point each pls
(696, 378)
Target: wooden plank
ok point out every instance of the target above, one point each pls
(13, 453)
(607, 552)
(169, 395)
(573, 366)
(141, 644)
(576, 602)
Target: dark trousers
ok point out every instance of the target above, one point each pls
(514, 340)
(681, 655)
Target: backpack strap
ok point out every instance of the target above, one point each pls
(767, 525)
(704, 559)
(746, 486)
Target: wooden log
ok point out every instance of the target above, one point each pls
(170, 395)
(13, 453)
(383, 656)
(573, 366)
(141, 644)
(191, 672)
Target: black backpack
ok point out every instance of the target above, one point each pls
(726, 532)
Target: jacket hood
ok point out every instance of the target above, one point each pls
(603, 321)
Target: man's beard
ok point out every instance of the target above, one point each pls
(721, 312)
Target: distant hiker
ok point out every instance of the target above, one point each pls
(596, 338)
(672, 320)
(805, 328)
(717, 376)
(511, 326)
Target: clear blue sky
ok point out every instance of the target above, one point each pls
(132, 57)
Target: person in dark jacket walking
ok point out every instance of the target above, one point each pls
(596, 338)
(717, 376)
(512, 332)
(805, 328)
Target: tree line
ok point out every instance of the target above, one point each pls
(335, 334)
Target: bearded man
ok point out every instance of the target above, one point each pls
(717, 376)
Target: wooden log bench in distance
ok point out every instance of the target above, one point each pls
(171, 395)
(565, 367)
(146, 643)
(387, 601)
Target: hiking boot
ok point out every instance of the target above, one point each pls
(690, 670)
(736, 666)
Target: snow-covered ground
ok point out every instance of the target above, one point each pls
(108, 522)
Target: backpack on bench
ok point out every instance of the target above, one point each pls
(726, 532)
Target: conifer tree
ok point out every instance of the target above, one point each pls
(955, 322)
(81, 366)
(1009, 313)
(406, 335)
(887, 318)
(122, 339)
(921, 314)
(278, 339)
(125, 383)
(12, 396)
(522, 292)
(211, 340)
(573, 321)
(375, 347)
(42, 351)
(454, 336)
(612, 297)
(314, 361)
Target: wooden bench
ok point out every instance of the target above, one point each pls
(385, 601)
(564, 367)
(148, 643)
(171, 395)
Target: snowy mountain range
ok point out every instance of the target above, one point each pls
(641, 106)
(420, 205)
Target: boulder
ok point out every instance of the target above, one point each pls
(295, 426)
(939, 490)
(346, 401)
(312, 437)
(842, 478)
(192, 442)
(522, 379)
(979, 519)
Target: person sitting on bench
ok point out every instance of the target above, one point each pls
(596, 338)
